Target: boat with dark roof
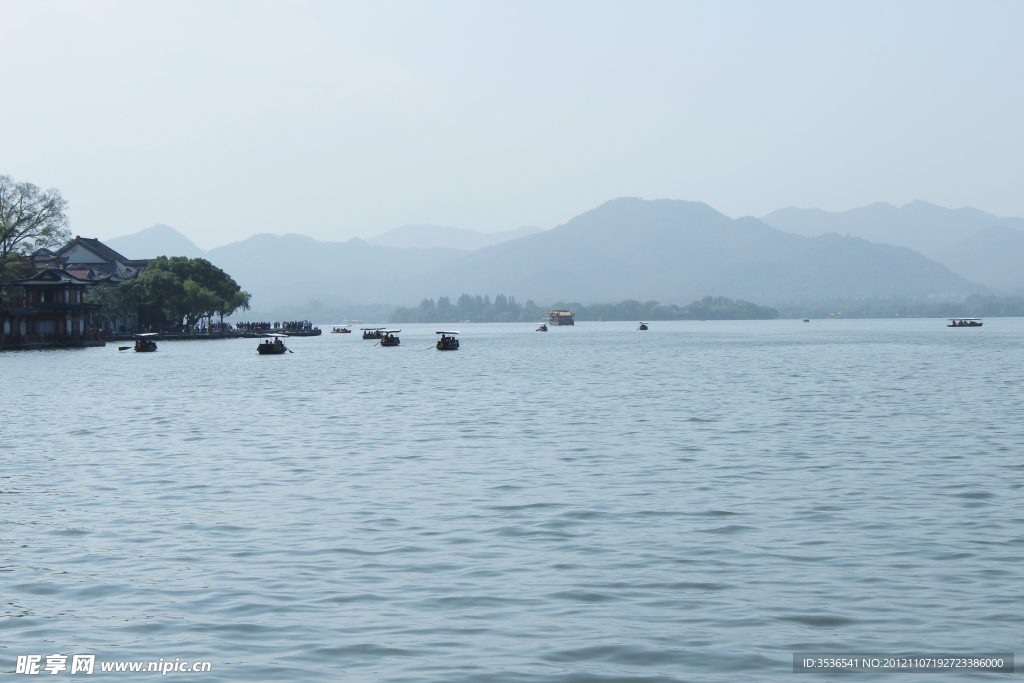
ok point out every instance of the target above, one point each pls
(144, 342)
(447, 341)
(272, 345)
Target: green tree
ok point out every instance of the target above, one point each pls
(238, 302)
(30, 219)
(109, 299)
(212, 290)
(178, 289)
(200, 302)
(158, 295)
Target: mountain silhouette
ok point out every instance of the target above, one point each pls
(991, 256)
(159, 240)
(671, 251)
(279, 270)
(979, 246)
(429, 236)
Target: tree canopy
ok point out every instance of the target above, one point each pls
(506, 309)
(30, 219)
(177, 289)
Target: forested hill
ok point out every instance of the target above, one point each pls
(983, 248)
(669, 250)
(625, 249)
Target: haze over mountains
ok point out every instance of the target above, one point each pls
(159, 240)
(669, 250)
(163, 239)
(993, 256)
(676, 251)
(982, 247)
(427, 236)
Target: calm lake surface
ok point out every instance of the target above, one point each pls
(695, 502)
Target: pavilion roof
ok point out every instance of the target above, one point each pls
(48, 276)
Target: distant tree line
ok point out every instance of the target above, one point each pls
(708, 308)
(974, 306)
(506, 309)
(174, 291)
(477, 309)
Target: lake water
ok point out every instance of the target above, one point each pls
(694, 502)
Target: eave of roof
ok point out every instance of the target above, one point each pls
(95, 246)
(49, 276)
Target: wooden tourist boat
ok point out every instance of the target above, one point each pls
(341, 330)
(145, 342)
(543, 328)
(272, 345)
(372, 332)
(964, 322)
(448, 341)
(643, 326)
(388, 338)
(561, 317)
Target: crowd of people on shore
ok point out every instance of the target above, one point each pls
(198, 328)
(291, 326)
(216, 328)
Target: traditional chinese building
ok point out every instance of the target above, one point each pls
(90, 259)
(51, 312)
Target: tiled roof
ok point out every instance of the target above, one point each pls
(49, 276)
(97, 247)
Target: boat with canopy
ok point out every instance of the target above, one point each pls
(272, 345)
(964, 322)
(372, 332)
(447, 341)
(144, 342)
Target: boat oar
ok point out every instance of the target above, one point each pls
(123, 348)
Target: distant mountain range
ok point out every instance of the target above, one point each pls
(163, 239)
(295, 269)
(159, 240)
(673, 251)
(982, 247)
(667, 250)
(992, 256)
(428, 236)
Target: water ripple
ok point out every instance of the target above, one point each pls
(694, 503)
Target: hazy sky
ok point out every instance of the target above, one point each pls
(224, 119)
